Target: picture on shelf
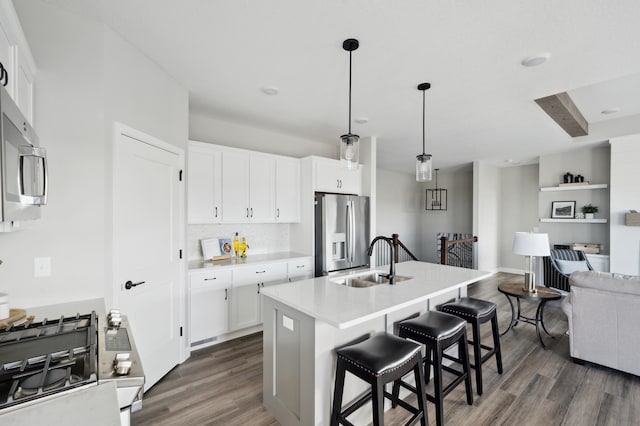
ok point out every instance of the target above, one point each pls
(225, 246)
(563, 209)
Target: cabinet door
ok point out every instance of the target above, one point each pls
(24, 86)
(262, 186)
(204, 175)
(209, 295)
(245, 305)
(6, 57)
(300, 269)
(235, 187)
(331, 177)
(287, 190)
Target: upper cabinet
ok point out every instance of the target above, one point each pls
(248, 187)
(204, 179)
(331, 177)
(17, 60)
(229, 185)
(287, 190)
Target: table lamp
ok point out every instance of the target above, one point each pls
(531, 245)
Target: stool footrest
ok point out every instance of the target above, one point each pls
(355, 405)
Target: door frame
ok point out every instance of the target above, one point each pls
(121, 130)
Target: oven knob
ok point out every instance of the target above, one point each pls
(121, 356)
(122, 367)
(115, 322)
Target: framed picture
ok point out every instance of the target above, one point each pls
(563, 209)
(216, 248)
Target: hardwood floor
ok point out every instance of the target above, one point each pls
(222, 385)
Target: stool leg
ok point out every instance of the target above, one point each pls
(437, 383)
(477, 355)
(427, 365)
(377, 398)
(422, 403)
(496, 342)
(395, 392)
(463, 356)
(337, 393)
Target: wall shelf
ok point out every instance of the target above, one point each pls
(574, 188)
(547, 219)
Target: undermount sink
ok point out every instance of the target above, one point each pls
(368, 280)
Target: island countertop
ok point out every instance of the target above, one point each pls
(343, 306)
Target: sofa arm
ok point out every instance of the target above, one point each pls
(605, 281)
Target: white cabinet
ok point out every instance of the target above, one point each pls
(300, 269)
(331, 177)
(248, 187)
(209, 296)
(204, 180)
(17, 60)
(287, 190)
(245, 292)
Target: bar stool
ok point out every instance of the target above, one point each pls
(439, 331)
(380, 359)
(476, 312)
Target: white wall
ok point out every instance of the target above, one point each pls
(486, 215)
(399, 208)
(87, 76)
(518, 209)
(625, 195)
(457, 218)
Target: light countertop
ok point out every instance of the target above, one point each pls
(343, 306)
(253, 259)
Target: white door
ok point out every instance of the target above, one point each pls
(147, 241)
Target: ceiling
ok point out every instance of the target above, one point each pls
(480, 105)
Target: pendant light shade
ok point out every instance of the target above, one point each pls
(424, 163)
(349, 143)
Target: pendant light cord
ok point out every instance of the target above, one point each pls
(350, 52)
(423, 122)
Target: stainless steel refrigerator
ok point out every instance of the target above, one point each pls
(341, 232)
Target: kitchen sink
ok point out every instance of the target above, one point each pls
(368, 280)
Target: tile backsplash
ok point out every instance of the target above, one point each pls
(262, 238)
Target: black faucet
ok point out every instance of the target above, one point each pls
(392, 269)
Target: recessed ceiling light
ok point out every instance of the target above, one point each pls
(533, 61)
(361, 120)
(270, 90)
(610, 111)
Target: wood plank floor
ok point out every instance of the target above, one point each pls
(222, 385)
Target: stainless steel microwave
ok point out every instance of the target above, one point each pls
(23, 165)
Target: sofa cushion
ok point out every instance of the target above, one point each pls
(619, 283)
(568, 267)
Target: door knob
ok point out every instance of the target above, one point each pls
(130, 284)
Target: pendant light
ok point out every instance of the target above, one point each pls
(349, 145)
(436, 197)
(424, 165)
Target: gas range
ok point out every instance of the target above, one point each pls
(43, 360)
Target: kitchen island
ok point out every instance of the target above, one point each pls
(305, 321)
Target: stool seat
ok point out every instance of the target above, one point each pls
(468, 307)
(381, 359)
(380, 354)
(434, 325)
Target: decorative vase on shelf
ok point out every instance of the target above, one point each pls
(589, 215)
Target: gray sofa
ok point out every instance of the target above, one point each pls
(604, 315)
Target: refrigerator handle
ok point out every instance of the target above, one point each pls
(352, 238)
(348, 236)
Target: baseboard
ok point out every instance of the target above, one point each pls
(511, 271)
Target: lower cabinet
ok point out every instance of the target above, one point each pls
(228, 300)
(209, 293)
(245, 292)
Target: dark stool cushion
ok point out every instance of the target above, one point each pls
(434, 325)
(468, 307)
(380, 354)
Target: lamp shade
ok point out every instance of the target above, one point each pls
(531, 244)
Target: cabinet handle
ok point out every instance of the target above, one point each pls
(278, 213)
(247, 211)
(260, 272)
(210, 279)
(216, 211)
(226, 295)
(337, 183)
(258, 288)
(300, 266)
(251, 211)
